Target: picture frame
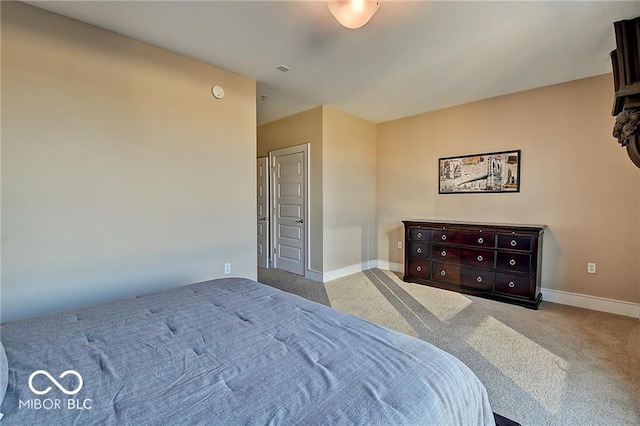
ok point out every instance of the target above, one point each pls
(480, 173)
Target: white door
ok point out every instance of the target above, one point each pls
(263, 212)
(289, 175)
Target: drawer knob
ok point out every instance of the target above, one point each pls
(419, 250)
(512, 284)
(480, 258)
(512, 262)
(419, 268)
(443, 273)
(419, 234)
(444, 237)
(480, 240)
(443, 253)
(513, 243)
(479, 279)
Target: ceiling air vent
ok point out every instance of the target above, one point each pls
(283, 68)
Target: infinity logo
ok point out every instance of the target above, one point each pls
(55, 382)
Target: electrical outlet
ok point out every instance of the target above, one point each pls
(227, 268)
(591, 268)
(399, 244)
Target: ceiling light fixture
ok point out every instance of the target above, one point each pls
(353, 13)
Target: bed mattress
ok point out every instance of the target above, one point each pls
(229, 352)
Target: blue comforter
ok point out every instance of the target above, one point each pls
(229, 352)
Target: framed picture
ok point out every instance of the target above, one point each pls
(478, 173)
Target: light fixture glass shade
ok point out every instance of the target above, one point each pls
(353, 13)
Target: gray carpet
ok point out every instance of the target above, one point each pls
(558, 365)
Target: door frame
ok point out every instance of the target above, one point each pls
(267, 211)
(304, 149)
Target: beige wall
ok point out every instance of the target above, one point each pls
(343, 163)
(349, 189)
(120, 172)
(304, 127)
(575, 179)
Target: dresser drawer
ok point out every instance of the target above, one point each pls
(446, 253)
(419, 250)
(513, 261)
(477, 278)
(446, 273)
(480, 258)
(514, 242)
(446, 236)
(418, 234)
(517, 285)
(419, 268)
(479, 239)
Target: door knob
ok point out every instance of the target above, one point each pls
(300, 221)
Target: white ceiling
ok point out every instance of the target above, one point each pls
(412, 57)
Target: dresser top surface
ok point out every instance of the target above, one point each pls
(438, 222)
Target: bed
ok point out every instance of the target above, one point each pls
(229, 352)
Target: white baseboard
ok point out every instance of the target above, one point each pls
(359, 267)
(313, 275)
(389, 266)
(347, 270)
(594, 303)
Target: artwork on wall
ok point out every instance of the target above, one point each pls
(490, 172)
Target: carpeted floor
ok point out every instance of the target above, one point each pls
(558, 365)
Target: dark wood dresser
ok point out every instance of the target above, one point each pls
(496, 261)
